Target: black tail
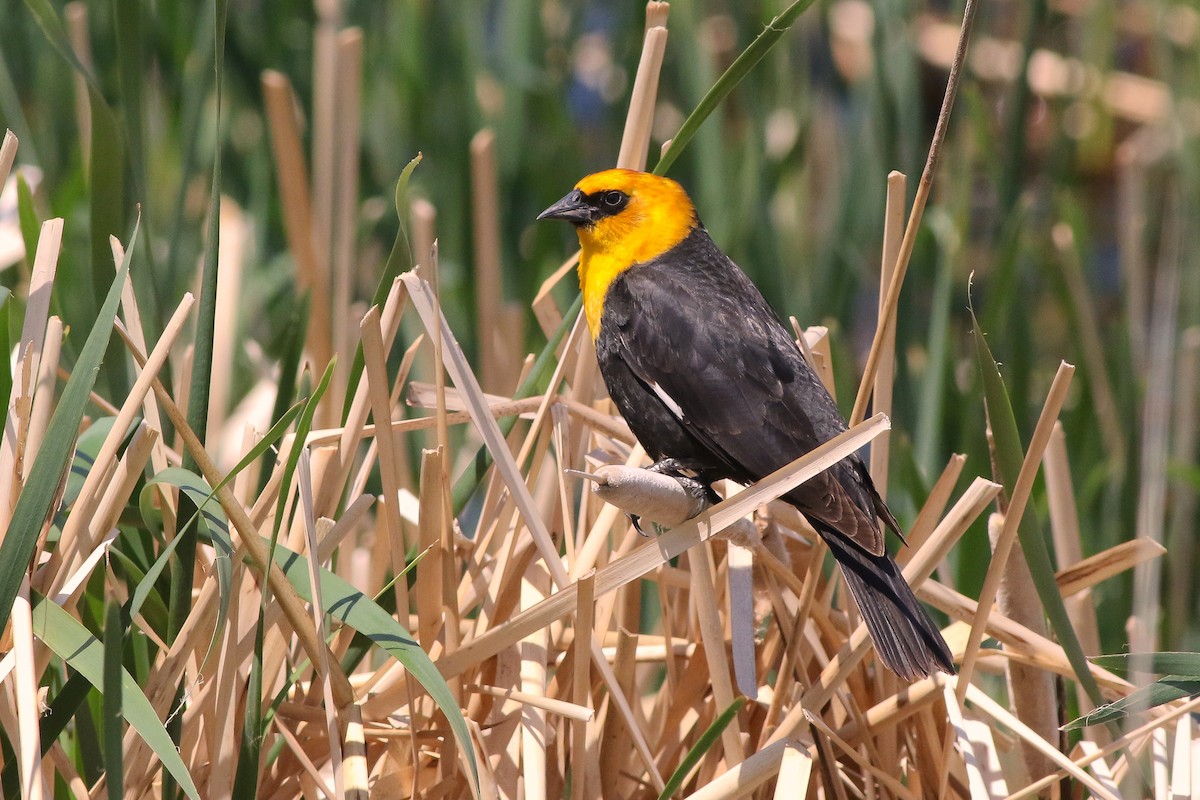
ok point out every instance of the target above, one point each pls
(906, 639)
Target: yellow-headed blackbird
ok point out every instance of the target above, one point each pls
(713, 386)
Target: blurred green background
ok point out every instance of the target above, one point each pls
(1063, 200)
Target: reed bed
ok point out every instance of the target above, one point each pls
(403, 581)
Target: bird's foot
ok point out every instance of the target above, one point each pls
(688, 477)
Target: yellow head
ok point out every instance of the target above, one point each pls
(623, 218)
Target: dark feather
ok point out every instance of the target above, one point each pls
(741, 402)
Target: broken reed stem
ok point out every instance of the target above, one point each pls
(455, 363)
(1032, 691)
(489, 290)
(346, 201)
(888, 317)
(8, 154)
(635, 141)
(1019, 496)
(893, 234)
(667, 546)
(311, 256)
(29, 742)
(712, 635)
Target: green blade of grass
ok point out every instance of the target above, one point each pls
(399, 260)
(738, 70)
(1009, 455)
(110, 728)
(76, 645)
(1164, 690)
(245, 780)
(1168, 663)
(702, 746)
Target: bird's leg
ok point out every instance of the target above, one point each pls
(687, 476)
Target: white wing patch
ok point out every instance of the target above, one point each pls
(671, 405)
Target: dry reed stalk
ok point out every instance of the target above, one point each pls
(616, 737)
(360, 406)
(430, 538)
(1181, 759)
(667, 546)
(133, 325)
(1032, 691)
(795, 769)
(888, 316)
(535, 583)
(979, 785)
(125, 475)
(545, 310)
(285, 595)
(317, 606)
(1018, 496)
(582, 759)
(375, 374)
(1084, 574)
(747, 776)
(893, 235)
(348, 144)
(29, 740)
(1025, 645)
(71, 545)
(455, 363)
(740, 562)
(920, 566)
(877, 772)
(43, 392)
(814, 343)
(1001, 715)
(311, 257)
(8, 154)
(33, 332)
(225, 700)
(635, 140)
(933, 508)
(1064, 525)
(485, 209)
(712, 636)
(231, 252)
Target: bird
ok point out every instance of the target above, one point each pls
(714, 387)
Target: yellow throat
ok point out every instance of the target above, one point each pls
(659, 216)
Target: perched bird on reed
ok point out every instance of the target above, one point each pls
(714, 387)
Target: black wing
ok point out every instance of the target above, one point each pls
(695, 330)
(698, 362)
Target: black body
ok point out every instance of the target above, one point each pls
(705, 374)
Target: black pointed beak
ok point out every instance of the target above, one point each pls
(572, 208)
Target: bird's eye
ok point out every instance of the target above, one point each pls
(614, 198)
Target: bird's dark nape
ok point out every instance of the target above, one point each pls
(905, 637)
